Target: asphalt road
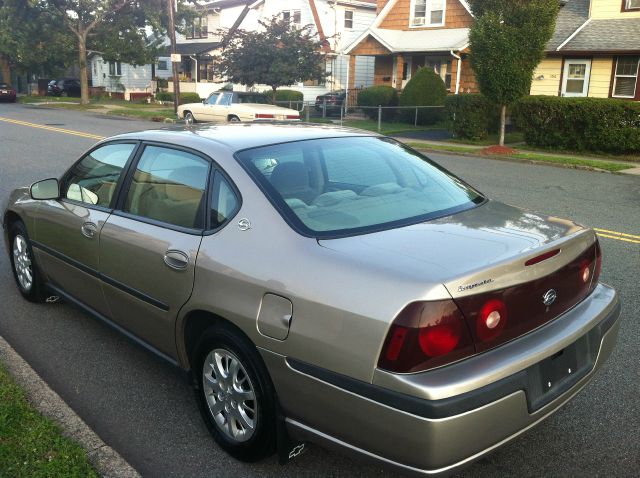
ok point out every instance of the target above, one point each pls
(140, 405)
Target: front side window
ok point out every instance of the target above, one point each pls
(427, 13)
(626, 77)
(93, 179)
(340, 186)
(169, 186)
(213, 98)
(226, 99)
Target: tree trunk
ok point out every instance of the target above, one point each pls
(84, 77)
(503, 121)
(273, 97)
(6, 69)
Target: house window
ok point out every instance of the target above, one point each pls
(447, 76)
(162, 65)
(632, 5)
(292, 16)
(199, 28)
(348, 19)
(115, 68)
(427, 13)
(626, 77)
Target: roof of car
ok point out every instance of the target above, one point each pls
(240, 136)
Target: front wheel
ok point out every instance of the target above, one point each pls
(235, 394)
(189, 118)
(25, 272)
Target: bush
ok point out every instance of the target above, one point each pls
(184, 97)
(375, 96)
(287, 95)
(579, 124)
(425, 88)
(471, 116)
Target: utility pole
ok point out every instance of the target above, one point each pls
(174, 64)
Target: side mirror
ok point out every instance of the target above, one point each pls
(45, 189)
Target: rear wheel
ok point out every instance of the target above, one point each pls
(189, 118)
(235, 394)
(234, 119)
(25, 272)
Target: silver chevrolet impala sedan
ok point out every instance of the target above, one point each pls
(324, 285)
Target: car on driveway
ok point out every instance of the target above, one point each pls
(323, 284)
(234, 107)
(64, 87)
(7, 92)
(331, 103)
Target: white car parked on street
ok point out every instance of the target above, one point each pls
(232, 107)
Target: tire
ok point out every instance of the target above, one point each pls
(234, 119)
(244, 427)
(25, 270)
(189, 118)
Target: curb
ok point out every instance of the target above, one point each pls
(104, 459)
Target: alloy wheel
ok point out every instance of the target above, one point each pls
(22, 263)
(230, 395)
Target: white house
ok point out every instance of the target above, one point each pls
(338, 22)
(126, 80)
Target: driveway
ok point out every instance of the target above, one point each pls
(143, 408)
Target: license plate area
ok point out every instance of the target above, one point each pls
(553, 376)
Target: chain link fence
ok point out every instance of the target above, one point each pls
(410, 116)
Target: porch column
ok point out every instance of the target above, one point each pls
(397, 70)
(352, 72)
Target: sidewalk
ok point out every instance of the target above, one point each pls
(475, 150)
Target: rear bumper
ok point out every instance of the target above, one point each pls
(435, 422)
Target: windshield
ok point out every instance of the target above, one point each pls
(341, 186)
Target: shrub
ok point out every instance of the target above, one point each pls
(471, 116)
(375, 96)
(184, 97)
(425, 88)
(591, 124)
(288, 95)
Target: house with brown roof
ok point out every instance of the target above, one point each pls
(594, 52)
(409, 34)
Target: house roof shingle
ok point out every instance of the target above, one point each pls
(622, 34)
(571, 16)
(419, 40)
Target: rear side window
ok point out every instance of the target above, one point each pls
(224, 202)
(93, 179)
(169, 186)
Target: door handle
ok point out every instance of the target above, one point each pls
(177, 260)
(89, 230)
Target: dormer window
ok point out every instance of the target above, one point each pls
(199, 28)
(292, 16)
(427, 13)
(631, 5)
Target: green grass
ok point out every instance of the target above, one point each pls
(509, 138)
(32, 445)
(568, 161)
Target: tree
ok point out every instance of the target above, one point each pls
(32, 39)
(507, 42)
(279, 55)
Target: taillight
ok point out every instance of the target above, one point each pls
(598, 267)
(492, 320)
(425, 335)
(293, 117)
(264, 116)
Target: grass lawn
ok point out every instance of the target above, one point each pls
(529, 156)
(509, 138)
(32, 445)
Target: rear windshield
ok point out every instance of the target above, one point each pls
(352, 185)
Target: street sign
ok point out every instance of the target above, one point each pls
(176, 57)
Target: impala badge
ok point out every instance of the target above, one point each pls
(549, 297)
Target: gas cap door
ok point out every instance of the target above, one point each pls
(274, 317)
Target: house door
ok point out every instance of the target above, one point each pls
(576, 77)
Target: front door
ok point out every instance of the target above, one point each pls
(148, 246)
(67, 232)
(576, 77)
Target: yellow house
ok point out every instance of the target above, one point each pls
(594, 52)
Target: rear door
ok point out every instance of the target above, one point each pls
(148, 246)
(66, 238)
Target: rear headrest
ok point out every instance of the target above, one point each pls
(289, 177)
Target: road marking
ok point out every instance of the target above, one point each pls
(618, 238)
(53, 129)
(616, 233)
